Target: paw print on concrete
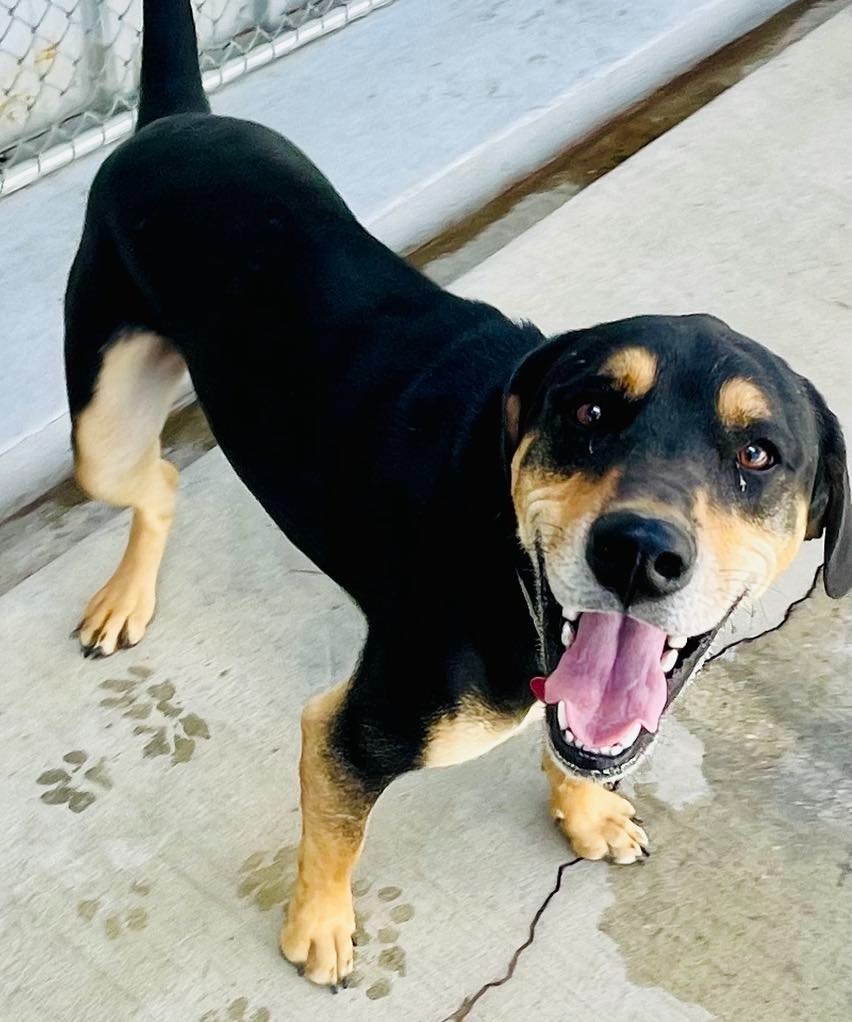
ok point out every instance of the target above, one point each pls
(268, 880)
(116, 923)
(171, 730)
(237, 1011)
(380, 916)
(74, 784)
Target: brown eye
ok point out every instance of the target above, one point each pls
(589, 414)
(757, 456)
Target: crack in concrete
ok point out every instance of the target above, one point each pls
(788, 613)
(467, 1005)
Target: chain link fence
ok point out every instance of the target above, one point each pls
(69, 68)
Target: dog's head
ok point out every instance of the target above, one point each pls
(663, 470)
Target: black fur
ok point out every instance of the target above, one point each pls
(170, 78)
(361, 404)
(831, 502)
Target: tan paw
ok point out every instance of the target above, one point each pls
(598, 823)
(117, 615)
(317, 936)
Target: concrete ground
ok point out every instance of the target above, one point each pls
(149, 811)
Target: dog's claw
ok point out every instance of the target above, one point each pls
(334, 988)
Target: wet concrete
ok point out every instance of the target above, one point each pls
(765, 919)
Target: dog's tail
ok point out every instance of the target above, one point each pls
(171, 77)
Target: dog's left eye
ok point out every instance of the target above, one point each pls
(757, 456)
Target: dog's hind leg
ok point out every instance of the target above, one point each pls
(117, 460)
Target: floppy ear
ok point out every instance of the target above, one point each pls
(519, 401)
(831, 503)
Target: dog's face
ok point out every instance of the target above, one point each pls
(663, 470)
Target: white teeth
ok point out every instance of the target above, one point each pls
(567, 634)
(562, 717)
(668, 660)
(610, 750)
(570, 615)
(677, 641)
(604, 750)
(630, 736)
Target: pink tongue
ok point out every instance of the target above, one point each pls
(610, 678)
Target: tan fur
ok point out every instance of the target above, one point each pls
(321, 920)
(471, 731)
(633, 370)
(550, 504)
(598, 823)
(749, 549)
(741, 402)
(117, 460)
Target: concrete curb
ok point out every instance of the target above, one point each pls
(526, 145)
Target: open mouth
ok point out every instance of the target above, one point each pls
(614, 681)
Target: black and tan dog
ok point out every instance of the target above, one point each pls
(657, 472)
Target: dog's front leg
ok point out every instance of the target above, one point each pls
(598, 823)
(318, 931)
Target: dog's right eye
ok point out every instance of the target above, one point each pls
(593, 410)
(589, 414)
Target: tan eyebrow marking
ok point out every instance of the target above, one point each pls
(633, 370)
(741, 402)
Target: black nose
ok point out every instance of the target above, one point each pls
(639, 558)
